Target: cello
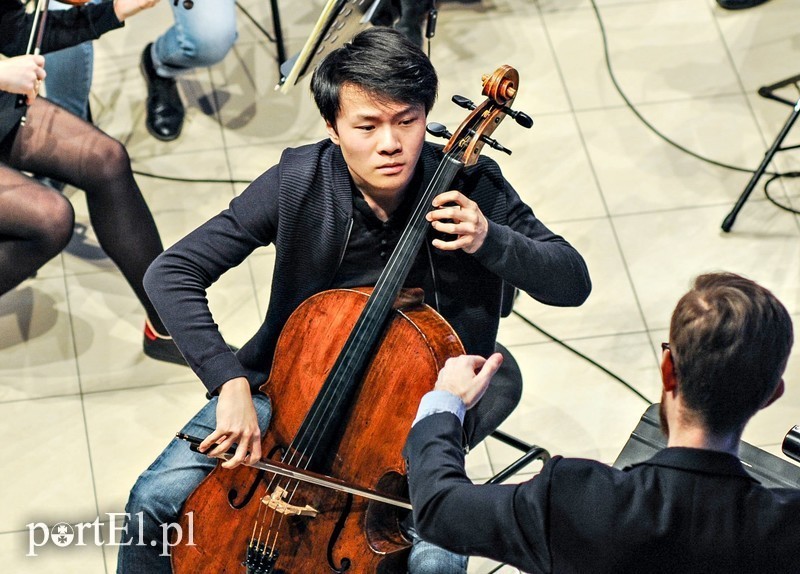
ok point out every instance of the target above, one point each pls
(350, 367)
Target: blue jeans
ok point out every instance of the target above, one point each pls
(427, 558)
(199, 37)
(159, 493)
(69, 74)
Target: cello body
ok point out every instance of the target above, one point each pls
(346, 533)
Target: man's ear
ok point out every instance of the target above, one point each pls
(776, 395)
(332, 133)
(668, 379)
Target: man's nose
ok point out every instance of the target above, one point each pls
(389, 142)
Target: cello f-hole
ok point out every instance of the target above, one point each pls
(233, 493)
(346, 562)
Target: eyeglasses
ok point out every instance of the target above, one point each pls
(665, 346)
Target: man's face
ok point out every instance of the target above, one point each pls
(380, 141)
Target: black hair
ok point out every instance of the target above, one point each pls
(383, 63)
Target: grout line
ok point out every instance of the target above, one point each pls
(83, 412)
(97, 392)
(595, 176)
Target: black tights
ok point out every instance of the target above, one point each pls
(36, 222)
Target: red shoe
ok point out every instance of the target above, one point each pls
(161, 347)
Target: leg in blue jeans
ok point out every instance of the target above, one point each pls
(427, 558)
(199, 37)
(159, 493)
(69, 79)
(69, 74)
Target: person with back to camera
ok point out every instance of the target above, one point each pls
(36, 222)
(691, 508)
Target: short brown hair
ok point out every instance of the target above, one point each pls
(730, 340)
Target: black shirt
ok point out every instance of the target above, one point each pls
(371, 243)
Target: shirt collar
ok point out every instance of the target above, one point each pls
(698, 460)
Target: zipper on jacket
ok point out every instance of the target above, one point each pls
(344, 245)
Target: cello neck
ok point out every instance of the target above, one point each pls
(332, 403)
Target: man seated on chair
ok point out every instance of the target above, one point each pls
(690, 508)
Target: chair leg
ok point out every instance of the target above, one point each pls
(532, 453)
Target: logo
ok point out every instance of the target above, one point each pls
(61, 534)
(64, 534)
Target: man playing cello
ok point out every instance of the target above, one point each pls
(334, 211)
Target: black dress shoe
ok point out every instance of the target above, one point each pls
(165, 110)
(739, 4)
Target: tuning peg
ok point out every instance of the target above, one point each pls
(494, 144)
(521, 118)
(463, 102)
(438, 130)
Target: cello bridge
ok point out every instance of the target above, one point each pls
(276, 502)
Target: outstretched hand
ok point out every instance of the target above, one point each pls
(468, 376)
(458, 215)
(127, 8)
(22, 75)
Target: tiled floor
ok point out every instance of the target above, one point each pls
(84, 411)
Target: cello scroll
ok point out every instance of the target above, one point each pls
(474, 132)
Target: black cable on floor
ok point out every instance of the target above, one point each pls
(187, 180)
(568, 347)
(652, 128)
(638, 114)
(772, 199)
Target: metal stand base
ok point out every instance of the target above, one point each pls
(767, 92)
(277, 30)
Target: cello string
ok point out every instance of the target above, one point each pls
(333, 394)
(366, 331)
(408, 244)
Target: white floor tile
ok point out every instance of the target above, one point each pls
(49, 558)
(37, 351)
(47, 475)
(127, 430)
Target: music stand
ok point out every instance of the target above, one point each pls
(339, 21)
(767, 92)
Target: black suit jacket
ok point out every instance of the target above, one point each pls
(683, 511)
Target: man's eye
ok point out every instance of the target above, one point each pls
(365, 128)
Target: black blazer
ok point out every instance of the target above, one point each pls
(683, 511)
